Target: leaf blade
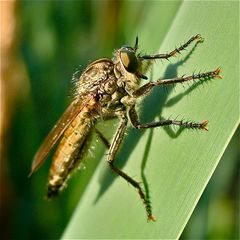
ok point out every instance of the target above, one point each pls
(177, 169)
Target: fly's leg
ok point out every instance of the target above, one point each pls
(173, 53)
(146, 88)
(111, 158)
(101, 136)
(136, 123)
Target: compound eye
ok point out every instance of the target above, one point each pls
(129, 61)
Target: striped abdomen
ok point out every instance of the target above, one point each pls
(70, 150)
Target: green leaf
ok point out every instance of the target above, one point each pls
(174, 167)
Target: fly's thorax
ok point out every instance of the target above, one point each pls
(118, 88)
(113, 99)
(94, 76)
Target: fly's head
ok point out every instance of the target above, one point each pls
(128, 59)
(128, 65)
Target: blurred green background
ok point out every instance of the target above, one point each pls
(50, 40)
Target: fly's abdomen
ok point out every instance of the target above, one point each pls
(69, 153)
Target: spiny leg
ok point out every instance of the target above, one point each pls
(173, 53)
(146, 88)
(111, 158)
(136, 123)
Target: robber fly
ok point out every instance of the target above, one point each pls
(108, 88)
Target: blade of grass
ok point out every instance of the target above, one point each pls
(177, 169)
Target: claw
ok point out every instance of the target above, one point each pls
(204, 125)
(199, 38)
(216, 73)
(151, 218)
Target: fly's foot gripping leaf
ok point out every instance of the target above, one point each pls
(216, 73)
(199, 38)
(151, 218)
(203, 125)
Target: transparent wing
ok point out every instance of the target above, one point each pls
(88, 82)
(68, 116)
